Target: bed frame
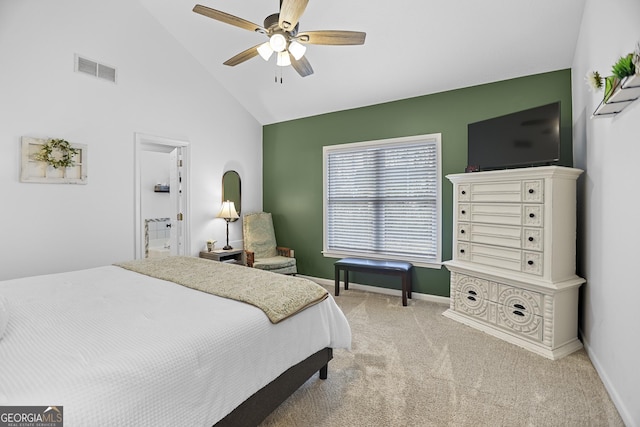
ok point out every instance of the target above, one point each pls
(256, 408)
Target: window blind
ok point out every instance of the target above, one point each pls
(383, 199)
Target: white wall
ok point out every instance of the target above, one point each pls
(161, 90)
(609, 149)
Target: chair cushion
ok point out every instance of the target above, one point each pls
(259, 236)
(275, 263)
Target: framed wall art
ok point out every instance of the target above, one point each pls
(53, 161)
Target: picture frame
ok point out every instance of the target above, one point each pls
(37, 171)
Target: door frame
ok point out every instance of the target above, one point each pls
(147, 142)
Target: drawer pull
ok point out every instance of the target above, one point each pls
(518, 313)
(531, 191)
(464, 192)
(462, 232)
(520, 306)
(471, 298)
(473, 292)
(532, 215)
(463, 212)
(530, 262)
(531, 239)
(461, 251)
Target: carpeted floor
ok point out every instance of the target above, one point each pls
(411, 366)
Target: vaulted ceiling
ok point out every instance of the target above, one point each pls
(412, 48)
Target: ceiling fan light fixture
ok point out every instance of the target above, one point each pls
(297, 50)
(283, 59)
(265, 51)
(278, 42)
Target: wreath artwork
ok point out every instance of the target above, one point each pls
(57, 153)
(53, 161)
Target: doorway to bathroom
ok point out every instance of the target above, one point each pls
(161, 196)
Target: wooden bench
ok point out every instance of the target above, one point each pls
(394, 268)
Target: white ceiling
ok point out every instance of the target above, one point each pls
(413, 48)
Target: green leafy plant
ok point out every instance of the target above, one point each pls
(610, 84)
(624, 67)
(57, 153)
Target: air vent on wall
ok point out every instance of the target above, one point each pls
(95, 69)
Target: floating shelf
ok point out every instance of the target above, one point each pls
(623, 95)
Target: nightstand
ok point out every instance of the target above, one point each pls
(233, 255)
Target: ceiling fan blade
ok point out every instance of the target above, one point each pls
(227, 19)
(302, 66)
(331, 37)
(290, 13)
(242, 56)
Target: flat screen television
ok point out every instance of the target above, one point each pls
(525, 138)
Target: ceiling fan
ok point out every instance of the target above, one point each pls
(284, 39)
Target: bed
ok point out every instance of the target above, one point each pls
(116, 346)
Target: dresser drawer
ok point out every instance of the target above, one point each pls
(463, 192)
(491, 213)
(532, 239)
(533, 191)
(471, 305)
(470, 285)
(509, 236)
(501, 235)
(500, 191)
(533, 216)
(519, 299)
(529, 191)
(470, 295)
(462, 251)
(532, 263)
(520, 322)
(510, 259)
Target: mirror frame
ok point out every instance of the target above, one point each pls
(226, 179)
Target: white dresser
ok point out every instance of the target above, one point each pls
(513, 267)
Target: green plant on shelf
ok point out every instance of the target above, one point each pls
(624, 67)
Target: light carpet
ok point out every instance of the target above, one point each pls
(411, 366)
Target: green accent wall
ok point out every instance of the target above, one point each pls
(292, 156)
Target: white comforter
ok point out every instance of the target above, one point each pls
(114, 347)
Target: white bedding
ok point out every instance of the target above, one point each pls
(114, 347)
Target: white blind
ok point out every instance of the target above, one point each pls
(382, 199)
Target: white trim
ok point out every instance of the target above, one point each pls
(146, 142)
(625, 414)
(378, 290)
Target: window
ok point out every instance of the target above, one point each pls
(382, 199)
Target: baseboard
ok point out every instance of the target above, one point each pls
(378, 290)
(608, 385)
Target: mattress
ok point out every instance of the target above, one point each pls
(114, 347)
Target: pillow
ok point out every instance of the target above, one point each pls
(4, 315)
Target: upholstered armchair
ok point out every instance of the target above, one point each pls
(260, 245)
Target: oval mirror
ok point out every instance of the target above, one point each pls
(231, 189)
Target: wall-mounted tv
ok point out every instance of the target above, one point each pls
(525, 138)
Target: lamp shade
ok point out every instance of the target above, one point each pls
(265, 51)
(297, 50)
(283, 59)
(228, 210)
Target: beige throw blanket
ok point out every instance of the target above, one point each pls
(277, 295)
